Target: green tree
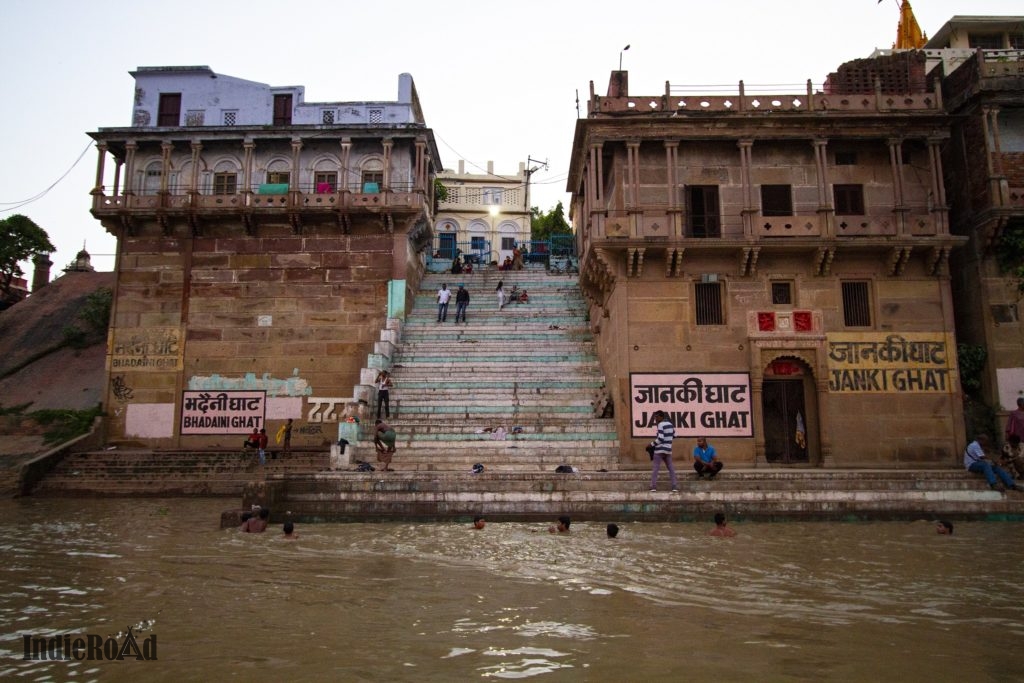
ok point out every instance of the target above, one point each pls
(544, 225)
(20, 240)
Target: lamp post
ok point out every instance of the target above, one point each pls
(620, 56)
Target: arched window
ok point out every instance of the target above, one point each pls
(278, 172)
(152, 175)
(371, 175)
(325, 174)
(225, 176)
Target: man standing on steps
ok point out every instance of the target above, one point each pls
(443, 296)
(461, 302)
(663, 451)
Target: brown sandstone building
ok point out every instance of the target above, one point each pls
(774, 269)
(263, 244)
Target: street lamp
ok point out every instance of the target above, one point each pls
(620, 56)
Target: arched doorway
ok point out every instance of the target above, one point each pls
(789, 412)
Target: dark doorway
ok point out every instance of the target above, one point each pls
(785, 421)
(702, 215)
(447, 245)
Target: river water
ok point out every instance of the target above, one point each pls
(444, 602)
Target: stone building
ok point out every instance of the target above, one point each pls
(263, 244)
(485, 215)
(980, 61)
(773, 270)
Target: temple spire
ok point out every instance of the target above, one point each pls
(908, 34)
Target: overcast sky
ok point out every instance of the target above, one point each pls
(498, 81)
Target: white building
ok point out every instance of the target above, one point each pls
(485, 215)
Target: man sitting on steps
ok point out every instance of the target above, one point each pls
(976, 461)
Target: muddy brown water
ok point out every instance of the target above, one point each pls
(442, 602)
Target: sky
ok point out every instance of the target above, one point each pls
(502, 82)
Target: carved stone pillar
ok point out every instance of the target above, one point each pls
(98, 187)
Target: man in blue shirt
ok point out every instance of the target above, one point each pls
(705, 460)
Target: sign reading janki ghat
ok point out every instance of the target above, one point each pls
(712, 404)
(878, 362)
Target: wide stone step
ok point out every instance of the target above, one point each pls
(549, 431)
(513, 366)
(630, 483)
(481, 387)
(496, 414)
(622, 495)
(496, 342)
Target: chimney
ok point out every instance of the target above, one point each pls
(41, 274)
(618, 84)
(490, 168)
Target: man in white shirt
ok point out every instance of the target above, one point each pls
(443, 295)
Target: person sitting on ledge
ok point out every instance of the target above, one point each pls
(976, 461)
(705, 460)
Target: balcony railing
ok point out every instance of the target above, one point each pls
(648, 225)
(355, 197)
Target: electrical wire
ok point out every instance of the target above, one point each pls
(13, 206)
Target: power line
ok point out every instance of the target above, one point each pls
(24, 202)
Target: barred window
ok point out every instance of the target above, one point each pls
(230, 118)
(782, 293)
(856, 304)
(278, 177)
(376, 116)
(708, 296)
(986, 41)
(327, 116)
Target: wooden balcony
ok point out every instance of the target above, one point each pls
(892, 236)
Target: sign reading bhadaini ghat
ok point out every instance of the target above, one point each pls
(712, 404)
(877, 362)
(150, 349)
(222, 412)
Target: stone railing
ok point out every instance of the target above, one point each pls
(674, 102)
(293, 201)
(654, 224)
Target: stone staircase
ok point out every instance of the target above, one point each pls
(529, 369)
(171, 473)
